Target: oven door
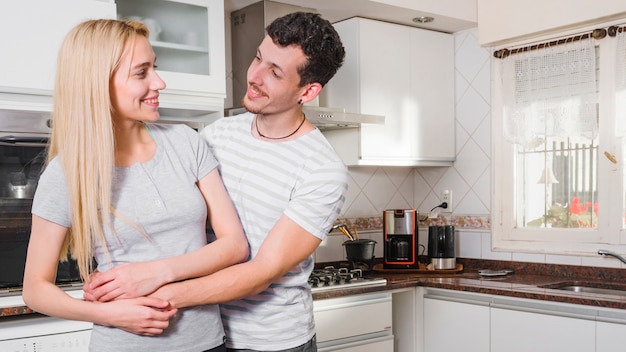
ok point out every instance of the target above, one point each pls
(22, 157)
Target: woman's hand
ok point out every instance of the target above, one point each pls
(142, 316)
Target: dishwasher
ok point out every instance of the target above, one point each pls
(356, 323)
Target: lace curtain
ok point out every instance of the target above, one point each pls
(620, 84)
(550, 92)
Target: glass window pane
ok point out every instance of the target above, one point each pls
(559, 187)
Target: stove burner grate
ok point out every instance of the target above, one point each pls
(331, 278)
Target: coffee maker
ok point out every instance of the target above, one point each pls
(401, 248)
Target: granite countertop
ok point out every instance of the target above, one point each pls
(528, 280)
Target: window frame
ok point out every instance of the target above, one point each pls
(609, 234)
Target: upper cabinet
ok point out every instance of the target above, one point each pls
(502, 21)
(405, 74)
(31, 32)
(188, 39)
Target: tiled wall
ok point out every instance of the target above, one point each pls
(374, 189)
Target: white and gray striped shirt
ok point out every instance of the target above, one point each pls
(302, 178)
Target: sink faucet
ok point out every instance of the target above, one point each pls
(609, 253)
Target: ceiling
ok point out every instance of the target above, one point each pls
(447, 14)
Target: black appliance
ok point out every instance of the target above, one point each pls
(360, 253)
(23, 143)
(441, 247)
(401, 247)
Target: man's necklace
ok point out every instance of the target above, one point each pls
(256, 124)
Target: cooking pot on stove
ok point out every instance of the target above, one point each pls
(361, 250)
(360, 254)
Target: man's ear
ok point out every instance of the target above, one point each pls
(311, 92)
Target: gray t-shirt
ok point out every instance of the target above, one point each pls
(161, 197)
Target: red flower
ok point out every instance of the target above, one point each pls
(576, 208)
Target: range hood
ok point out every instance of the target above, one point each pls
(326, 118)
(247, 32)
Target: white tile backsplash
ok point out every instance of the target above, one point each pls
(468, 244)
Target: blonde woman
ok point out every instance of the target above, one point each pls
(120, 188)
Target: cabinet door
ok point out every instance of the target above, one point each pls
(519, 331)
(455, 326)
(385, 84)
(189, 46)
(350, 316)
(405, 74)
(31, 32)
(431, 114)
(610, 337)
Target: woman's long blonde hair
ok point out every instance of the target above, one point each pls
(82, 128)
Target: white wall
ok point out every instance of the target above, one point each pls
(501, 21)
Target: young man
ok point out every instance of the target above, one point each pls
(288, 186)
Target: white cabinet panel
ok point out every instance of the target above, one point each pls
(610, 337)
(405, 74)
(455, 326)
(190, 52)
(354, 323)
(518, 331)
(385, 87)
(31, 32)
(379, 346)
(338, 318)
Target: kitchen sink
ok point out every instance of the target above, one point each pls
(589, 287)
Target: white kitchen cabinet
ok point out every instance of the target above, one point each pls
(190, 52)
(405, 74)
(464, 321)
(452, 324)
(610, 337)
(407, 319)
(31, 32)
(354, 323)
(517, 331)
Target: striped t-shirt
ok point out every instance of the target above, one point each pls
(302, 178)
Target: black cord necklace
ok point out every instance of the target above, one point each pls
(256, 124)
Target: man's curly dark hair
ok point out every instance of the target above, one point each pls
(318, 40)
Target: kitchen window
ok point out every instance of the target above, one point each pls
(559, 113)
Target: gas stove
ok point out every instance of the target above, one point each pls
(331, 278)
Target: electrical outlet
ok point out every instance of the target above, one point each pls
(446, 196)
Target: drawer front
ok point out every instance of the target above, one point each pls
(375, 345)
(344, 317)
